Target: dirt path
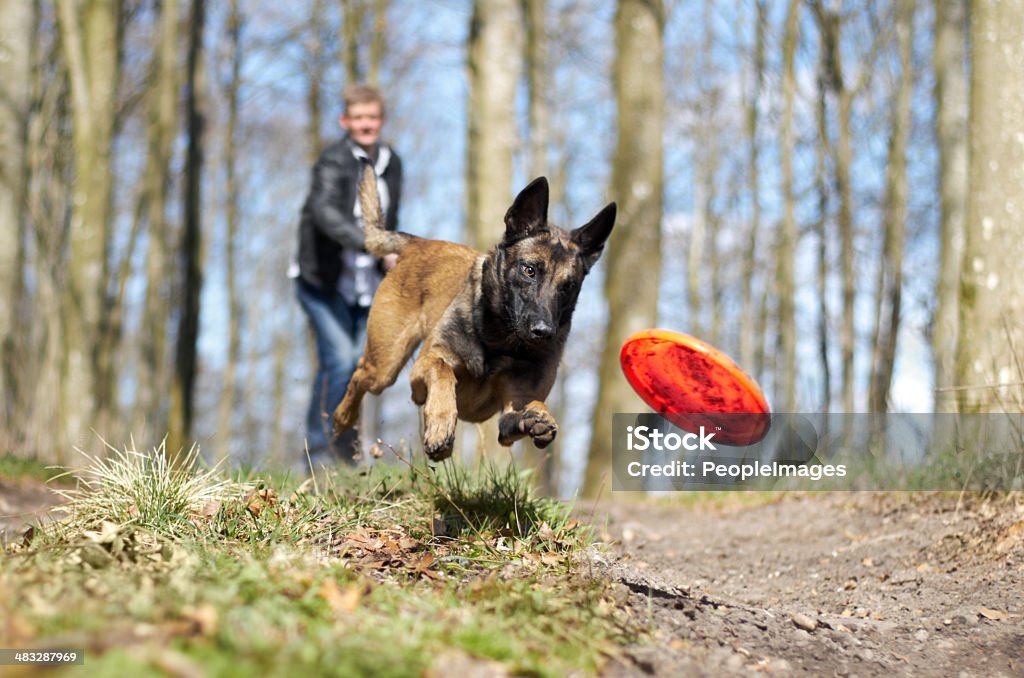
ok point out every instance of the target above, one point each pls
(880, 585)
(23, 502)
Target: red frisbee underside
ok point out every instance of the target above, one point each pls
(693, 384)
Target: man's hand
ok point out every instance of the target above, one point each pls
(389, 261)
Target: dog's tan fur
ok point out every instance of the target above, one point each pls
(444, 295)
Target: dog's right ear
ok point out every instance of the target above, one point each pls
(528, 214)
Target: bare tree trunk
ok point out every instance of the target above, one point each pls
(39, 351)
(16, 38)
(534, 12)
(352, 13)
(785, 374)
(951, 131)
(991, 347)
(90, 37)
(637, 185)
(282, 351)
(761, 329)
(112, 329)
(251, 395)
(191, 246)
(711, 133)
(747, 318)
(234, 310)
(703, 270)
(844, 159)
(695, 262)
(890, 281)
(378, 42)
(315, 68)
(713, 224)
(829, 25)
(155, 373)
(821, 188)
(495, 66)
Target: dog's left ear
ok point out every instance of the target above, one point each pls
(590, 237)
(529, 212)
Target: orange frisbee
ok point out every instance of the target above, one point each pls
(693, 384)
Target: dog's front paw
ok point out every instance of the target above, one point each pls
(538, 423)
(438, 439)
(344, 418)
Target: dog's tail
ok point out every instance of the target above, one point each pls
(379, 241)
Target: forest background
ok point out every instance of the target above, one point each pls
(828, 191)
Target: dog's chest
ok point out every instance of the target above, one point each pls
(482, 391)
(478, 388)
(476, 399)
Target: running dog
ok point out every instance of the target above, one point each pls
(493, 326)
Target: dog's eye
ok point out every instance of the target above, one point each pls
(528, 271)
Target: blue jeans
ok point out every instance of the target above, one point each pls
(340, 332)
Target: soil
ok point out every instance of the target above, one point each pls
(845, 584)
(23, 502)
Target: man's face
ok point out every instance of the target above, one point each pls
(363, 122)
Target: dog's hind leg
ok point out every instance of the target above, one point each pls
(433, 387)
(378, 368)
(534, 420)
(347, 411)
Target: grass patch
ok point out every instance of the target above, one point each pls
(495, 498)
(151, 490)
(21, 467)
(389, 570)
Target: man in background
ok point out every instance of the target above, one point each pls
(335, 277)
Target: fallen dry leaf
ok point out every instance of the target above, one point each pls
(994, 615)
(174, 663)
(204, 617)
(551, 558)
(260, 500)
(341, 602)
(306, 487)
(211, 509)
(425, 561)
(545, 533)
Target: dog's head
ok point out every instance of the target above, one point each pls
(540, 267)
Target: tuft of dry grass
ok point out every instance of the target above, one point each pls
(149, 489)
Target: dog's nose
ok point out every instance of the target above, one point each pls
(541, 329)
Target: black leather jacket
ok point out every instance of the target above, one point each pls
(327, 224)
